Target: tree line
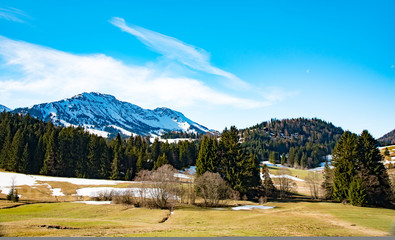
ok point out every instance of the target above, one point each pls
(28, 145)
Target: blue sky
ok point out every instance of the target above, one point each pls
(221, 63)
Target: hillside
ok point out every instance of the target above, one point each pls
(388, 138)
(104, 115)
(301, 142)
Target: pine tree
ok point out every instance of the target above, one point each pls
(268, 186)
(327, 185)
(51, 155)
(235, 166)
(162, 160)
(357, 192)
(117, 160)
(373, 173)
(207, 159)
(283, 159)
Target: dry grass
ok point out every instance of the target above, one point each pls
(287, 219)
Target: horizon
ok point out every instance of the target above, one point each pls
(218, 63)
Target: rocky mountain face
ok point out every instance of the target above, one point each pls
(103, 114)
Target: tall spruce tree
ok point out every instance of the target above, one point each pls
(374, 176)
(207, 159)
(235, 166)
(343, 159)
(267, 183)
(327, 184)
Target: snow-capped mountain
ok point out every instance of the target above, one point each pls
(103, 114)
(4, 108)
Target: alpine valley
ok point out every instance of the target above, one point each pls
(104, 115)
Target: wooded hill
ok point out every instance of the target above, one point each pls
(300, 142)
(388, 138)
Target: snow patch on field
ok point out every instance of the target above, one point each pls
(284, 176)
(5, 190)
(96, 191)
(6, 179)
(287, 176)
(250, 207)
(94, 202)
(269, 164)
(57, 192)
(181, 175)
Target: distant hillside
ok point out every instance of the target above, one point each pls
(297, 142)
(388, 138)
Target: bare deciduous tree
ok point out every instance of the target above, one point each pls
(212, 188)
(159, 188)
(285, 183)
(314, 179)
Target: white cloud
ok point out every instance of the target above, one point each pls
(175, 49)
(12, 14)
(44, 74)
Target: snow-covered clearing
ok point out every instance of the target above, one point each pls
(20, 179)
(7, 179)
(250, 207)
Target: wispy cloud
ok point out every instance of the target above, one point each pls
(43, 74)
(12, 14)
(172, 48)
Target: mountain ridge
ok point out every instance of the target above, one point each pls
(103, 114)
(4, 108)
(388, 138)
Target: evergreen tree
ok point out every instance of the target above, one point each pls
(207, 159)
(327, 185)
(268, 186)
(117, 160)
(283, 159)
(374, 176)
(357, 192)
(344, 157)
(162, 160)
(235, 166)
(51, 154)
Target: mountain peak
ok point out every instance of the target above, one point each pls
(4, 108)
(103, 114)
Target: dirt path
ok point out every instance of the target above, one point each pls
(366, 231)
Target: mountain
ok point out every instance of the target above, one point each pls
(388, 138)
(103, 114)
(301, 142)
(4, 108)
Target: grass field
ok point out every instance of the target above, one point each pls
(287, 219)
(295, 217)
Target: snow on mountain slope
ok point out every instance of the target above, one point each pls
(102, 113)
(4, 108)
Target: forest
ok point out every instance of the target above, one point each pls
(300, 143)
(32, 146)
